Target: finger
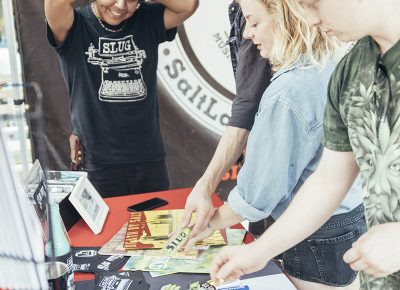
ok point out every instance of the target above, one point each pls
(359, 265)
(171, 234)
(187, 216)
(351, 255)
(182, 245)
(204, 217)
(232, 278)
(189, 245)
(201, 223)
(191, 242)
(192, 224)
(227, 270)
(219, 260)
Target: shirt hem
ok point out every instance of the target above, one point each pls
(338, 147)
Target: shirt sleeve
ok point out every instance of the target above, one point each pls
(253, 74)
(336, 135)
(278, 151)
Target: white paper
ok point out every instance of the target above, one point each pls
(270, 282)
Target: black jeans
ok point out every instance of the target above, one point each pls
(125, 179)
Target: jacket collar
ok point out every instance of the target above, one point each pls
(300, 62)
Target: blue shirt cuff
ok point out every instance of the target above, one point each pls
(242, 208)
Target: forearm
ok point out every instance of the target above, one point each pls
(225, 217)
(180, 6)
(229, 148)
(53, 7)
(312, 206)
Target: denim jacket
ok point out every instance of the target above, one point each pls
(285, 144)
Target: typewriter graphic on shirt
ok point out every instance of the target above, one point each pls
(121, 69)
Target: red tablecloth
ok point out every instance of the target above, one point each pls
(81, 235)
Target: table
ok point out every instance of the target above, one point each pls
(82, 236)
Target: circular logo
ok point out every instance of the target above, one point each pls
(196, 69)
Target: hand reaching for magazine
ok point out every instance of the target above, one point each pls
(234, 261)
(200, 203)
(191, 242)
(188, 244)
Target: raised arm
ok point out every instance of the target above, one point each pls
(60, 17)
(177, 11)
(315, 202)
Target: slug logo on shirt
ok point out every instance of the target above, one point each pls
(120, 61)
(196, 69)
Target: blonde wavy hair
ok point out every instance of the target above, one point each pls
(293, 37)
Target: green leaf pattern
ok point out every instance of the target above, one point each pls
(376, 144)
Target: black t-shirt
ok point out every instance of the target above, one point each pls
(112, 82)
(252, 74)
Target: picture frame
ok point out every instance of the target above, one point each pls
(62, 183)
(90, 205)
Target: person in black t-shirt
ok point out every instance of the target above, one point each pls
(108, 52)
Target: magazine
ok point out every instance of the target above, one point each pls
(115, 246)
(150, 230)
(168, 264)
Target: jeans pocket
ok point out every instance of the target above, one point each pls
(328, 254)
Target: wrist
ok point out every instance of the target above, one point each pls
(205, 186)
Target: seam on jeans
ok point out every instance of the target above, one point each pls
(320, 266)
(346, 221)
(339, 239)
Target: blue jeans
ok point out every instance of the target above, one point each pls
(319, 258)
(124, 179)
